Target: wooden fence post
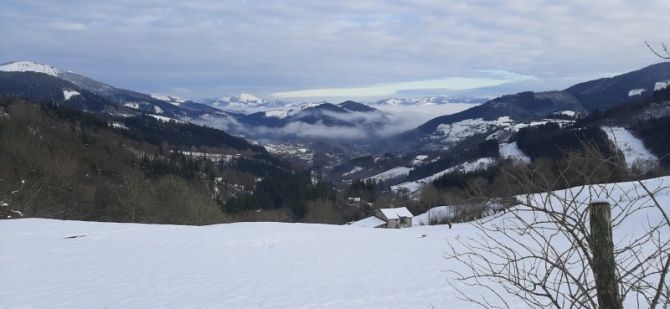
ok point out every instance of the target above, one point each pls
(604, 266)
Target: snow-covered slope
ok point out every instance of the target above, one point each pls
(67, 94)
(632, 148)
(415, 186)
(392, 173)
(71, 264)
(29, 66)
(511, 151)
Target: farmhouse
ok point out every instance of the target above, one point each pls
(394, 218)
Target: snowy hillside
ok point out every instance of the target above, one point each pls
(500, 129)
(632, 148)
(415, 186)
(71, 264)
(392, 173)
(511, 151)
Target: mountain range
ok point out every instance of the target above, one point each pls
(352, 121)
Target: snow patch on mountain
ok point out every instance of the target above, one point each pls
(418, 160)
(67, 94)
(568, 113)
(467, 167)
(635, 92)
(278, 113)
(633, 149)
(249, 98)
(170, 99)
(661, 85)
(158, 110)
(458, 131)
(352, 171)
(511, 151)
(30, 66)
(133, 105)
(392, 173)
(165, 119)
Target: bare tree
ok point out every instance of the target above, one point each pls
(133, 185)
(539, 252)
(663, 52)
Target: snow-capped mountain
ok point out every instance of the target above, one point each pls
(244, 102)
(41, 82)
(29, 66)
(432, 100)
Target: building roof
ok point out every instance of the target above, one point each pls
(396, 213)
(369, 222)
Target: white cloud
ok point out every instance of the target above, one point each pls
(498, 77)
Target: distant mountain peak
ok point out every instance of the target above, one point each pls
(249, 98)
(356, 107)
(167, 98)
(30, 66)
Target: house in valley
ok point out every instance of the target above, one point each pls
(395, 218)
(390, 218)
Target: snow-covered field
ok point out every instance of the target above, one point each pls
(243, 265)
(71, 264)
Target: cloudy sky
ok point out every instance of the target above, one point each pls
(335, 49)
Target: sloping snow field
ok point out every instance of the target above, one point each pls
(511, 151)
(632, 148)
(392, 173)
(71, 264)
(466, 167)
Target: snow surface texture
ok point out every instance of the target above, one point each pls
(632, 148)
(414, 186)
(72, 264)
(29, 66)
(511, 151)
(67, 94)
